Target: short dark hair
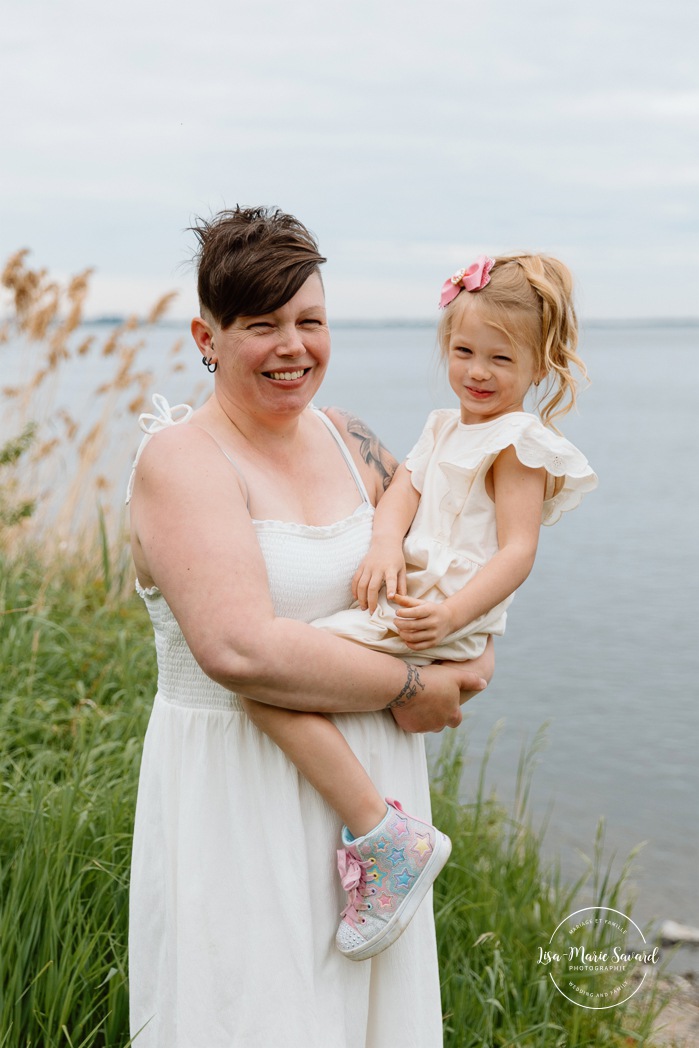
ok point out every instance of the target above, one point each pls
(251, 260)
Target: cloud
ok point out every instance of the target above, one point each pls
(407, 129)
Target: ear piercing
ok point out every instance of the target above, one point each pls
(209, 363)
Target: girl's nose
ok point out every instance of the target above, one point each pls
(479, 371)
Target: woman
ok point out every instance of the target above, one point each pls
(247, 522)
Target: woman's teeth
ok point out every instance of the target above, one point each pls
(286, 376)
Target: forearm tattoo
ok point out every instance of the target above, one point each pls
(371, 449)
(409, 689)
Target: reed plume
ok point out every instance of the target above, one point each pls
(57, 470)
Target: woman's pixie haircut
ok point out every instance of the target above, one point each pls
(250, 261)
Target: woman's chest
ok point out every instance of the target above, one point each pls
(310, 568)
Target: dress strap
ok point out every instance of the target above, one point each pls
(346, 453)
(152, 423)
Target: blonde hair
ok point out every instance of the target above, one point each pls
(529, 299)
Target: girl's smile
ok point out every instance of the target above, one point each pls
(489, 376)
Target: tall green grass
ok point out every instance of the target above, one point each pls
(77, 671)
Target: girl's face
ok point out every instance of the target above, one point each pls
(489, 377)
(274, 364)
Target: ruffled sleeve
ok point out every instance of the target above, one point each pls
(419, 457)
(152, 423)
(535, 446)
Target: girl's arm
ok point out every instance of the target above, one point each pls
(518, 493)
(385, 563)
(194, 540)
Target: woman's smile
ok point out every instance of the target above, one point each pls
(287, 376)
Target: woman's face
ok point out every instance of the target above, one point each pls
(275, 363)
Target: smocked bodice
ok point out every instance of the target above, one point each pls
(310, 573)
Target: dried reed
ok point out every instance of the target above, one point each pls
(46, 440)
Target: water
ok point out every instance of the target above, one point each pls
(602, 638)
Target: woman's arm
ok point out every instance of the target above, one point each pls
(193, 532)
(518, 493)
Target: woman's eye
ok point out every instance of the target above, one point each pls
(311, 322)
(259, 324)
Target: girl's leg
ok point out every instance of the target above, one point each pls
(322, 755)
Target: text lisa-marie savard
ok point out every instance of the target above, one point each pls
(580, 954)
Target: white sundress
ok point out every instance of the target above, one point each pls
(235, 897)
(454, 533)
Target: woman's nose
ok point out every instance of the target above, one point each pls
(291, 343)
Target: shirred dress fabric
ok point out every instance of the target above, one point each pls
(454, 532)
(235, 897)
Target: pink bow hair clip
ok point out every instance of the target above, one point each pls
(472, 279)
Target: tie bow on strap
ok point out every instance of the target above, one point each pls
(165, 415)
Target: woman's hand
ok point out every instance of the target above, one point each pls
(440, 690)
(421, 623)
(383, 564)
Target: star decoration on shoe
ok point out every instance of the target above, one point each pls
(400, 827)
(405, 878)
(377, 877)
(396, 856)
(384, 901)
(422, 846)
(382, 844)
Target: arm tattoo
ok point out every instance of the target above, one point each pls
(409, 690)
(370, 448)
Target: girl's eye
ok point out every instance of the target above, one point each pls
(462, 349)
(502, 358)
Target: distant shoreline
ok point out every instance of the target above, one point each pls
(388, 322)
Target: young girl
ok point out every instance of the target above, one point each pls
(454, 536)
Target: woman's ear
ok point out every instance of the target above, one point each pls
(203, 335)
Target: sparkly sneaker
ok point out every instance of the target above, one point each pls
(386, 875)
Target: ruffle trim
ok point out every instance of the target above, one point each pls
(534, 444)
(146, 591)
(294, 528)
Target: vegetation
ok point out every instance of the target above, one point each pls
(78, 673)
(496, 904)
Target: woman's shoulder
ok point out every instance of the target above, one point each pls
(174, 451)
(374, 461)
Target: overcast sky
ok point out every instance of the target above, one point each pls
(409, 136)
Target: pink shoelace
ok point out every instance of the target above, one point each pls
(353, 878)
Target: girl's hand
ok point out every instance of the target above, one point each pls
(383, 564)
(421, 623)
